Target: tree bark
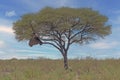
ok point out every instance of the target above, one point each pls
(65, 61)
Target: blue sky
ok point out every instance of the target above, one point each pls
(12, 10)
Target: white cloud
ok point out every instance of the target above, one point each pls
(6, 29)
(10, 13)
(5, 26)
(12, 55)
(28, 51)
(104, 45)
(24, 55)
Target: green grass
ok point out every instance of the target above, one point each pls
(46, 69)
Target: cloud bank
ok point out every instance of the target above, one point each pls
(5, 29)
(104, 45)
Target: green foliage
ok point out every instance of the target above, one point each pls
(62, 19)
(22, 27)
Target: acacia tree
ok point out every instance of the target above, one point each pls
(62, 27)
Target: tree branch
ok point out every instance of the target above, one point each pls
(77, 33)
(52, 45)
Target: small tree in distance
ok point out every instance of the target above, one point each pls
(62, 27)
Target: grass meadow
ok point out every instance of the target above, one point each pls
(46, 69)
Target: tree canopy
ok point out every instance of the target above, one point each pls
(61, 27)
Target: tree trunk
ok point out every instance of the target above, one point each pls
(65, 61)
